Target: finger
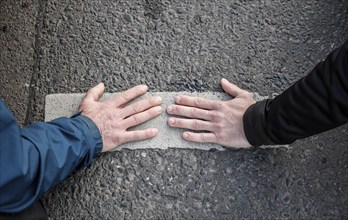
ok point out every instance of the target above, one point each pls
(195, 102)
(192, 124)
(190, 112)
(141, 106)
(94, 93)
(230, 88)
(142, 117)
(139, 135)
(200, 137)
(126, 96)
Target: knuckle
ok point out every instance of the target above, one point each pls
(203, 137)
(195, 124)
(135, 107)
(180, 99)
(175, 109)
(121, 125)
(135, 136)
(117, 140)
(194, 112)
(221, 116)
(214, 138)
(211, 116)
(217, 126)
(214, 117)
(125, 96)
(244, 92)
(217, 116)
(136, 119)
(198, 101)
(217, 105)
(223, 135)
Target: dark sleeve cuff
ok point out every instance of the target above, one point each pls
(255, 124)
(92, 134)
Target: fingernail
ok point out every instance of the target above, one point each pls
(177, 99)
(144, 87)
(158, 109)
(170, 108)
(158, 99)
(171, 121)
(185, 135)
(155, 131)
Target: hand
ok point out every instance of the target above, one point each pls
(113, 117)
(221, 121)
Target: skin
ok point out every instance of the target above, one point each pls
(114, 117)
(220, 122)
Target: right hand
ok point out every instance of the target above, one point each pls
(113, 117)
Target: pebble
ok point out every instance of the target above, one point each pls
(143, 154)
(128, 61)
(62, 41)
(107, 52)
(202, 19)
(128, 18)
(180, 11)
(177, 31)
(4, 28)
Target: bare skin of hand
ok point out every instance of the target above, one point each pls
(113, 117)
(220, 121)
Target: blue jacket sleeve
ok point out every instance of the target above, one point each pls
(36, 158)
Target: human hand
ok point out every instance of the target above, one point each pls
(113, 117)
(221, 121)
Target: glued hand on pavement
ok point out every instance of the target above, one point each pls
(114, 117)
(217, 121)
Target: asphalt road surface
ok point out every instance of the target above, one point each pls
(61, 46)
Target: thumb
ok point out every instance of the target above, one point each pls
(230, 88)
(94, 93)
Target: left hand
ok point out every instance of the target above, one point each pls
(221, 121)
(113, 117)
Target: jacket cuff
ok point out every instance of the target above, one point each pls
(91, 132)
(255, 124)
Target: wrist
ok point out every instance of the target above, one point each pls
(92, 133)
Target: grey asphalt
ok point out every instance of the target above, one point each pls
(264, 46)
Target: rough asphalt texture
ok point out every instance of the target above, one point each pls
(264, 46)
(17, 53)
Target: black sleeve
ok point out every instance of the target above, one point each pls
(316, 103)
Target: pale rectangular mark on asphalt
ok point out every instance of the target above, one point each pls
(66, 105)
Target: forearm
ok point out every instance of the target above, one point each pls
(36, 158)
(316, 103)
